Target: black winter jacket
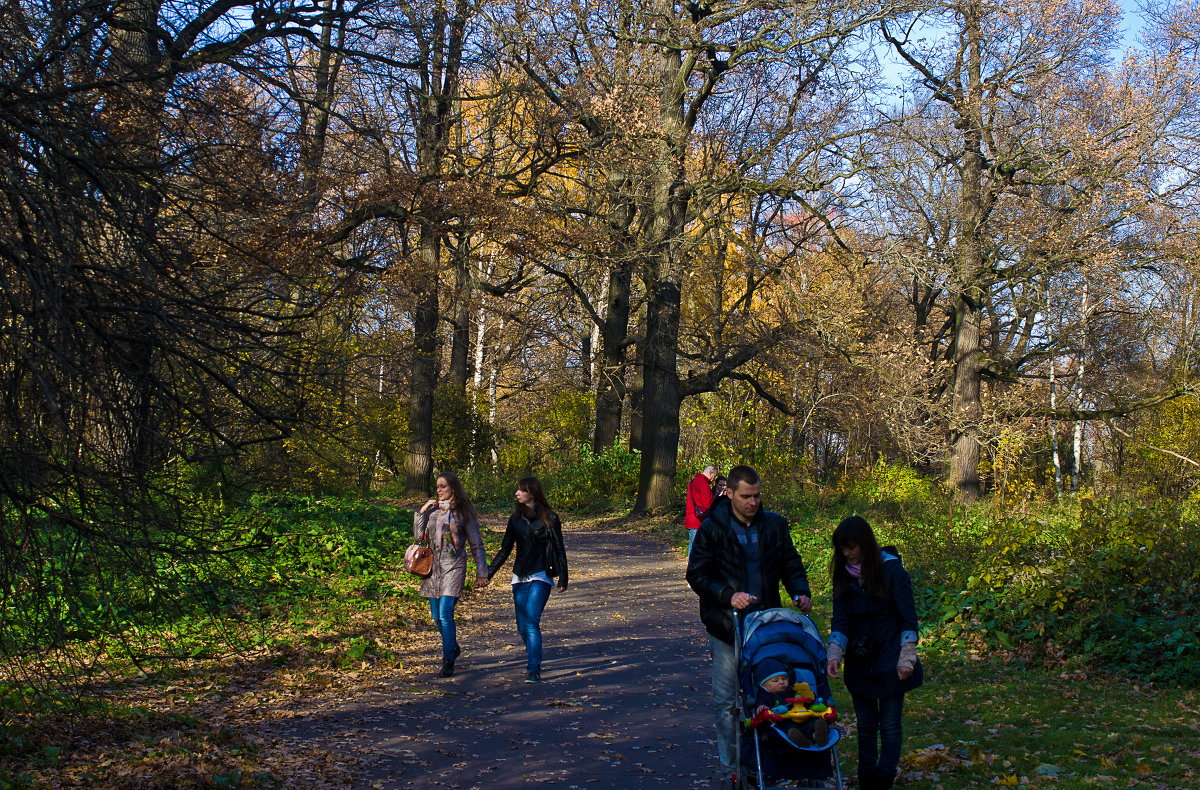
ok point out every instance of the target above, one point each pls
(878, 623)
(539, 548)
(717, 566)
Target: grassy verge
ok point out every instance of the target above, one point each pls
(993, 721)
(337, 611)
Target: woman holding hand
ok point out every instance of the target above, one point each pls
(536, 531)
(450, 524)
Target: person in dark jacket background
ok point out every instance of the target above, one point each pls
(874, 629)
(739, 558)
(536, 531)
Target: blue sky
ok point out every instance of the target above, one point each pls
(1131, 25)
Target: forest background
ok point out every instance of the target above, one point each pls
(931, 261)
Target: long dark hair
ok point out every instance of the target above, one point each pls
(533, 487)
(850, 532)
(462, 503)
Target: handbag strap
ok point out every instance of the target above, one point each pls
(424, 538)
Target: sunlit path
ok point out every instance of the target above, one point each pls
(623, 703)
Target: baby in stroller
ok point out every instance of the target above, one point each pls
(784, 693)
(780, 693)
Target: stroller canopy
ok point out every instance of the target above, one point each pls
(789, 637)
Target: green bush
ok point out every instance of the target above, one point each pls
(462, 434)
(1111, 583)
(1117, 587)
(305, 543)
(596, 482)
(581, 480)
(243, 571)
(889, 488)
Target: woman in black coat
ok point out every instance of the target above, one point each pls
(536, 532)
(874, 629)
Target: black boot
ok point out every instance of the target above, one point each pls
(885, 782)
(447, 668)
(868, 782)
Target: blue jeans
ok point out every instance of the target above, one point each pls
(442, 611)
(725, 701)
(529, 600)
(691, 539)
(878, 720)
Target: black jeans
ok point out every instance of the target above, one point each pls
(879, 735)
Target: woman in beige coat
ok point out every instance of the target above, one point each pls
(450, 524)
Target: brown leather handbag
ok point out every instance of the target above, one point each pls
(418, 558)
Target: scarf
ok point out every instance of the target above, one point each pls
(854, 570)
(454, 524)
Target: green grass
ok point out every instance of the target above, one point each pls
(992, 721)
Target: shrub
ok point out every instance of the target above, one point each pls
(891, 489)
(597, 482)
(582, 480)
(1117, 586)
(245, 573)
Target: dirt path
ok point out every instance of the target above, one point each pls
(623, 702)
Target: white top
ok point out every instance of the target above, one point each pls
(540, 576)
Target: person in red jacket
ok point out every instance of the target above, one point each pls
(699, 499)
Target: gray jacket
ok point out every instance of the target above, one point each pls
(449, 564)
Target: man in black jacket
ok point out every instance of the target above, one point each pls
(741, 555)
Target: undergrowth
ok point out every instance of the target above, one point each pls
(1110, 583)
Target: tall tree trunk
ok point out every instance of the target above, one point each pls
(664, 224)
(660, 398)
(1077, 396)
(634, 389)
(442, 57)
(133, 111)
(460, 315)
(1054, 449)
(481, 327)
(967, 407)
(418, 465)
(593, 342)
(493, 376)
(316, 114)
(610, 378)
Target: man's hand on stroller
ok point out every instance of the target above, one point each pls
(741, 600)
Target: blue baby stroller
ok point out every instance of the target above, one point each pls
(768, 750)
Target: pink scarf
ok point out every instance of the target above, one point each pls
(854, 570)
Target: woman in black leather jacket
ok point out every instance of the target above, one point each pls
(535, 529)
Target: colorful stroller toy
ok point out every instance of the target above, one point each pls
(776, 745)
